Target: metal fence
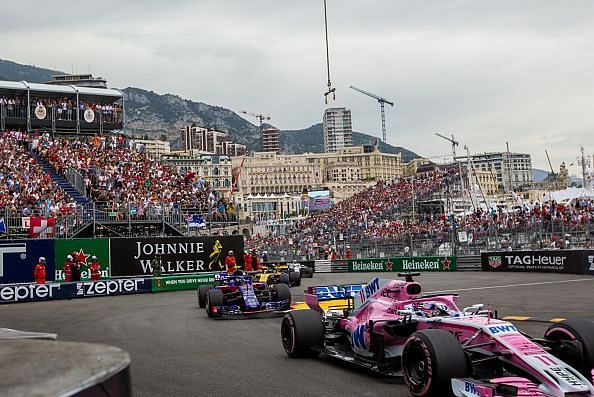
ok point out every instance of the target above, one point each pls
(551, 235)
(76, 180)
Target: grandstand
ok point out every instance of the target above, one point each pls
(59, 109)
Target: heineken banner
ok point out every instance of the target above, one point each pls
(405, 264)
(83, 250)
(19, 257)
(546, 261)
(179, 255)
(180, 283)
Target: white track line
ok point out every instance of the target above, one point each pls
(512, 285)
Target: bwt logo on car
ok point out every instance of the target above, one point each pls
(108, 287)
(470, 387)
(505, 328)
(28, 292)
(358, 337)
(370, 289)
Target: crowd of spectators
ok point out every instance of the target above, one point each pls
(121, 177)
(65, 109)
(25, 190)
(369, 216)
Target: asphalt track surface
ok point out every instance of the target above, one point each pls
(177, 350)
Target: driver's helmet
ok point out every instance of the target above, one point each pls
(432, 309)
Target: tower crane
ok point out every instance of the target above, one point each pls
(258, 116)
(381, 101)
(455, 143)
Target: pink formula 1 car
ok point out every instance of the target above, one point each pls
(389, 327)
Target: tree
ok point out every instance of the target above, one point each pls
(163, 137)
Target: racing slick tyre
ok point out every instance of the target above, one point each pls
(301, 331)
(283, 278)
(283, 292)
(295, 279)
(430, 359)
(214, 298)
(580, 357)
(202, 291)
(309, 272)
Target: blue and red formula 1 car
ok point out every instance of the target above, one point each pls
(238, 293)
(389, 327)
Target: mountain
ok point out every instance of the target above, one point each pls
(16, 72)
(160, 116)
(539, 175)
(311, 140)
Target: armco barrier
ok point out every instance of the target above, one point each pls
(180, 283)
(18, 293)
(544, 261)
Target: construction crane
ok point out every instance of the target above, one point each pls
(381, 101)
(331, 90)
(260, 117)
(455, 143)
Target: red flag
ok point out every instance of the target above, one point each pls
(41, 227)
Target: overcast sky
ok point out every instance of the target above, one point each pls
(486, 71)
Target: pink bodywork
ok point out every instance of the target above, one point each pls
(392, 302)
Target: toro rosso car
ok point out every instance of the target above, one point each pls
(389, 327)
(239, 294)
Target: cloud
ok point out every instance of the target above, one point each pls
(516, 71)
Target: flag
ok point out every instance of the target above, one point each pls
(41, 227)
(196, 221)
(2, 226)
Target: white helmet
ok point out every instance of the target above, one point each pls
(93, 258)
(42, 259)
(69, 258)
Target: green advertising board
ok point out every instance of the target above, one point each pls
(180, 283)
(405, 264)
(370, 265)
(83, 249)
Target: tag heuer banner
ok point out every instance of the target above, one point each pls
(83, 250)
(179, 255)
(546, 261)
(404, 264)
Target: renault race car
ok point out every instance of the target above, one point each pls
(389, 327)
(275, 274)
(239, 294)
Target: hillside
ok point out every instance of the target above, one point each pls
(16, 72)
(162, 115)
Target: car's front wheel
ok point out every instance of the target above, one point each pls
(214, 299)
(283, 292)
(202, 291)
(430, 359)
(301, 332)
(295, 279)
(577, 343)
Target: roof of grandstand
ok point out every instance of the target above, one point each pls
(23, 86)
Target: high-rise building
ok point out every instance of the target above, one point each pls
(205, 141)
(338, 129)
(271, 140)
(512, 170)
